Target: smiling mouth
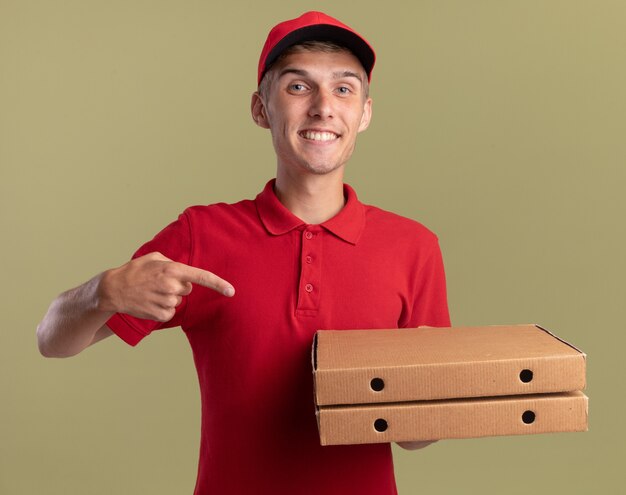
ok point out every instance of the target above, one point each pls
(319, 135)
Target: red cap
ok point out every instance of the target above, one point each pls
(314, 26)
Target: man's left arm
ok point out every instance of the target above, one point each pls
(430, 309)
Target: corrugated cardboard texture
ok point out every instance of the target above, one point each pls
(462, 418)
(384, 366)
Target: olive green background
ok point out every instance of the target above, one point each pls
(498, 124)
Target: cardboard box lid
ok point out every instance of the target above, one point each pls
(453, 418)
(374, 366)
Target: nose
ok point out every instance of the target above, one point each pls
(321, 105)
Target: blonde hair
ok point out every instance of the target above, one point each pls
(305, 46)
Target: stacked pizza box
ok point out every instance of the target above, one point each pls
(428, 383)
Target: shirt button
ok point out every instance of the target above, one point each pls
(308, 288)
(309, 235)
(309, 259)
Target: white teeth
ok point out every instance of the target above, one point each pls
(318, 136)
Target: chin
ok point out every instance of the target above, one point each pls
(320, 168)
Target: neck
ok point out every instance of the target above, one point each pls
(314, 199)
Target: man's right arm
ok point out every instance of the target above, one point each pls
(73, 320)
(149, 287)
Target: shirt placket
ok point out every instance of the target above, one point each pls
(309, 289)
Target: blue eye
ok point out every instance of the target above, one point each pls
(297, 87)
(344, 90)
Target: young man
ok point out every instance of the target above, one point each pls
(304, 255)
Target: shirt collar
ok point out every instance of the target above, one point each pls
(348, 224)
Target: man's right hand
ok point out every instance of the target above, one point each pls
(152, 286)
(149, 287)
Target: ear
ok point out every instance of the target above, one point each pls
(367, 115)
(258, 111)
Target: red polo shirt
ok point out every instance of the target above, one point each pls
(364, 268)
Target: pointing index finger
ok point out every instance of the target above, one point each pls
(205, 279)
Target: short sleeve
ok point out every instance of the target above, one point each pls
(430, 299)
(174, 242)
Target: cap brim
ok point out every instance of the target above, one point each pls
(325, 32)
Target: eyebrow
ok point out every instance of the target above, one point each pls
(347, 73)
(335, 75)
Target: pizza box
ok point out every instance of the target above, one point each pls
(413, 364)
(453, 418)
(405, 385)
